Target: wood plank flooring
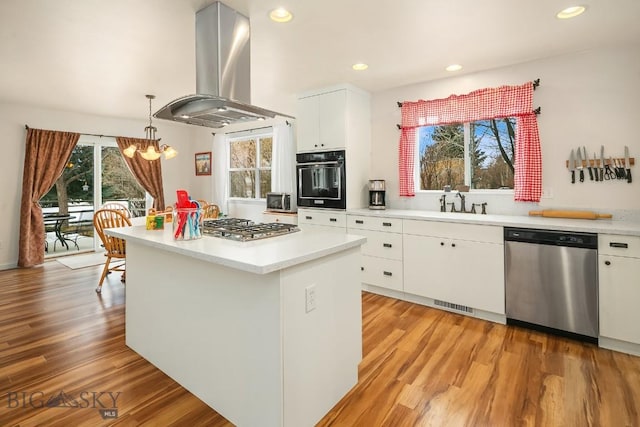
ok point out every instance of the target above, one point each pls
(62, 343)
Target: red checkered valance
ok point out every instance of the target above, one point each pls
(483, 104)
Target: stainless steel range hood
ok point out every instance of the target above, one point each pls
(223, 74)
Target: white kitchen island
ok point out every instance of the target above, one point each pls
(231, 321)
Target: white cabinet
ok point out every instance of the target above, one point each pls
(382, 254)
(339, 118)
(619, 287)
(455, 264)
(284, 218)
(322, 121)
(322, 220)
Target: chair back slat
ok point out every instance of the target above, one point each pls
(111, 218)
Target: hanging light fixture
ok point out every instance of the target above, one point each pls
(150, 153)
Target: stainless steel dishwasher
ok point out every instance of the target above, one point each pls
(551, 281)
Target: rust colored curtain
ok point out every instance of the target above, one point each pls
(483, 104)
(47, 153)
(148, 173)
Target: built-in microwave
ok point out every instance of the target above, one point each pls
(279, 202)
(321, 178)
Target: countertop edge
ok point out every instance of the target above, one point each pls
(606, 226)
(315, 250)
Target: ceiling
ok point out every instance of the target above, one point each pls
(102, 57)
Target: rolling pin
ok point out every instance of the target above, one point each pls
(550, 213)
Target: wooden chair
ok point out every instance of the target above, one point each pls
(117, 206)
(115, 247)
(210, 212)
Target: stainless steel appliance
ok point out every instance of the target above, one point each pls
(551, 281)
(223, 74)
(279, 202)
(244, 230)
(321, 178)
(376, 194)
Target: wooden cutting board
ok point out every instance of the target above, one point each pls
(552, 213)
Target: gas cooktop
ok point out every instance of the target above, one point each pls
(244, 230)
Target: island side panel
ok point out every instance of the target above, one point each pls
(215, 330)
(323, 347)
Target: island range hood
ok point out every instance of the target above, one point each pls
(223, 74)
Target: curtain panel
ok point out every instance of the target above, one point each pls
(148, 173)
(46, 154)
(482, 104)
(283, 166)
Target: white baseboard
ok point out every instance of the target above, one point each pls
(429, 302)
(621, 346)
(8, 266)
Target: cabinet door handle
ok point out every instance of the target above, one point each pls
(387, 273)
(386, 245)
(308, 217)
(607, 263)
(359, 221)
(386, 224)
(618, 245)
(441, 243)
(453, 245)
(333, 219)
(361, 268)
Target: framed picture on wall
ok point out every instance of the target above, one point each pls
(203, 163)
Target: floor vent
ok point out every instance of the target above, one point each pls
(452, 306)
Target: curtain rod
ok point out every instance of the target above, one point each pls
(101, 136)
(536, 83)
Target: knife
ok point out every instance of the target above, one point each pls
(595, 165)
(579, 166)
(586, 159)
(627, 164)
(619, 169)
(601, 163)
(572, 167)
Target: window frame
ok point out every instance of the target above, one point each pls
(244, 136)
(467, 165)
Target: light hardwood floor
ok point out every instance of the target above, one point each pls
(421, 366)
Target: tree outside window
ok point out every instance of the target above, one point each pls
(250, 167)
(478, 154)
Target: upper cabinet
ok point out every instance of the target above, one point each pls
(333, 118)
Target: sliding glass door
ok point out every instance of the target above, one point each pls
(96, 163)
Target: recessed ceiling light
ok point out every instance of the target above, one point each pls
(454, 67)
(360, 66)
(280, 15)
(570, 12)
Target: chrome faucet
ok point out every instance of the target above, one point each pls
(443, 204)
(462, 206)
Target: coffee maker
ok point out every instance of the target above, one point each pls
(376, 194)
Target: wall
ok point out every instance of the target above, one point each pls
(177, 173)
(587, 98)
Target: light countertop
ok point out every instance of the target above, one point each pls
(259, 256)
(605, 226)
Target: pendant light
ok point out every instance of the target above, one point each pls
(150, 153)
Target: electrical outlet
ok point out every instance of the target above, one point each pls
(310, 298)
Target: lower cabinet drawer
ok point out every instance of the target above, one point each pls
(386, 273)
(379, 244)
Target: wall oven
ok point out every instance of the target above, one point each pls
(321, 179)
